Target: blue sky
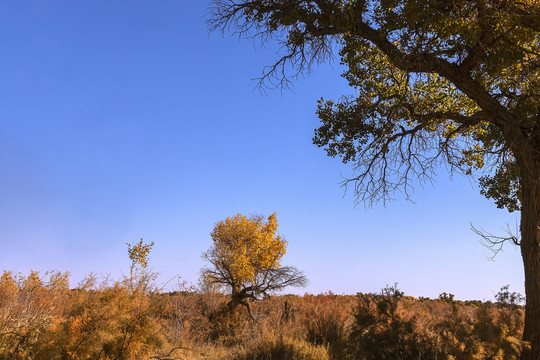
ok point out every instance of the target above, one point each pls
(127, 119)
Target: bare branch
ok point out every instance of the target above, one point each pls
(495, 243)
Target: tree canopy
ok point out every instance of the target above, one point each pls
(435, 81)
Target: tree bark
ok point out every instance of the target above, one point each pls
(236, 300)
(530, 252)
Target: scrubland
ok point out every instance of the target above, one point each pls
(41, 317)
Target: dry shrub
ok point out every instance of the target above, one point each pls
(228, 326)
(282, 348)
(41, 318)
(327, 319)
(46, 320)
(189, 314)
(383, 330)
(392, 326)
(490, 332)
(29, 307)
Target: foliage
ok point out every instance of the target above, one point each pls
(381, 331)
(139, 278)
(446, 297)
(42, 318)
(246, 245)
(505, 297)
(385, 327)
(138, 254)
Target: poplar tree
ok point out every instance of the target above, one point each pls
(245, 259)
(453, 82)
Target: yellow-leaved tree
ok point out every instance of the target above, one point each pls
(245, 259)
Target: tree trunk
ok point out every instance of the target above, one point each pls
(530, 252)
(239, 299)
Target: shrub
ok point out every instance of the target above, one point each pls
(326, 322)
(282, 348)
(382, 331)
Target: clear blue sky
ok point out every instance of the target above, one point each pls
(127, 119)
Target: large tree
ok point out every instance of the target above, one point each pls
(245, 259)
(436, 81)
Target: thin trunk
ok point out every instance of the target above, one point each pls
(530, 251)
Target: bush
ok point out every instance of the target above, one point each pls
(326, 322)
(382, 330)
(282, 349)
(41, 318)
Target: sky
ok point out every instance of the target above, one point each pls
(129, 119)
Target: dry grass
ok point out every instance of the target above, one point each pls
(41, 318)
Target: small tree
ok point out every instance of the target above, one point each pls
(138, 254)
(245, 259)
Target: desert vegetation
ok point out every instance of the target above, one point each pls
(134, 317)
(131, 318)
